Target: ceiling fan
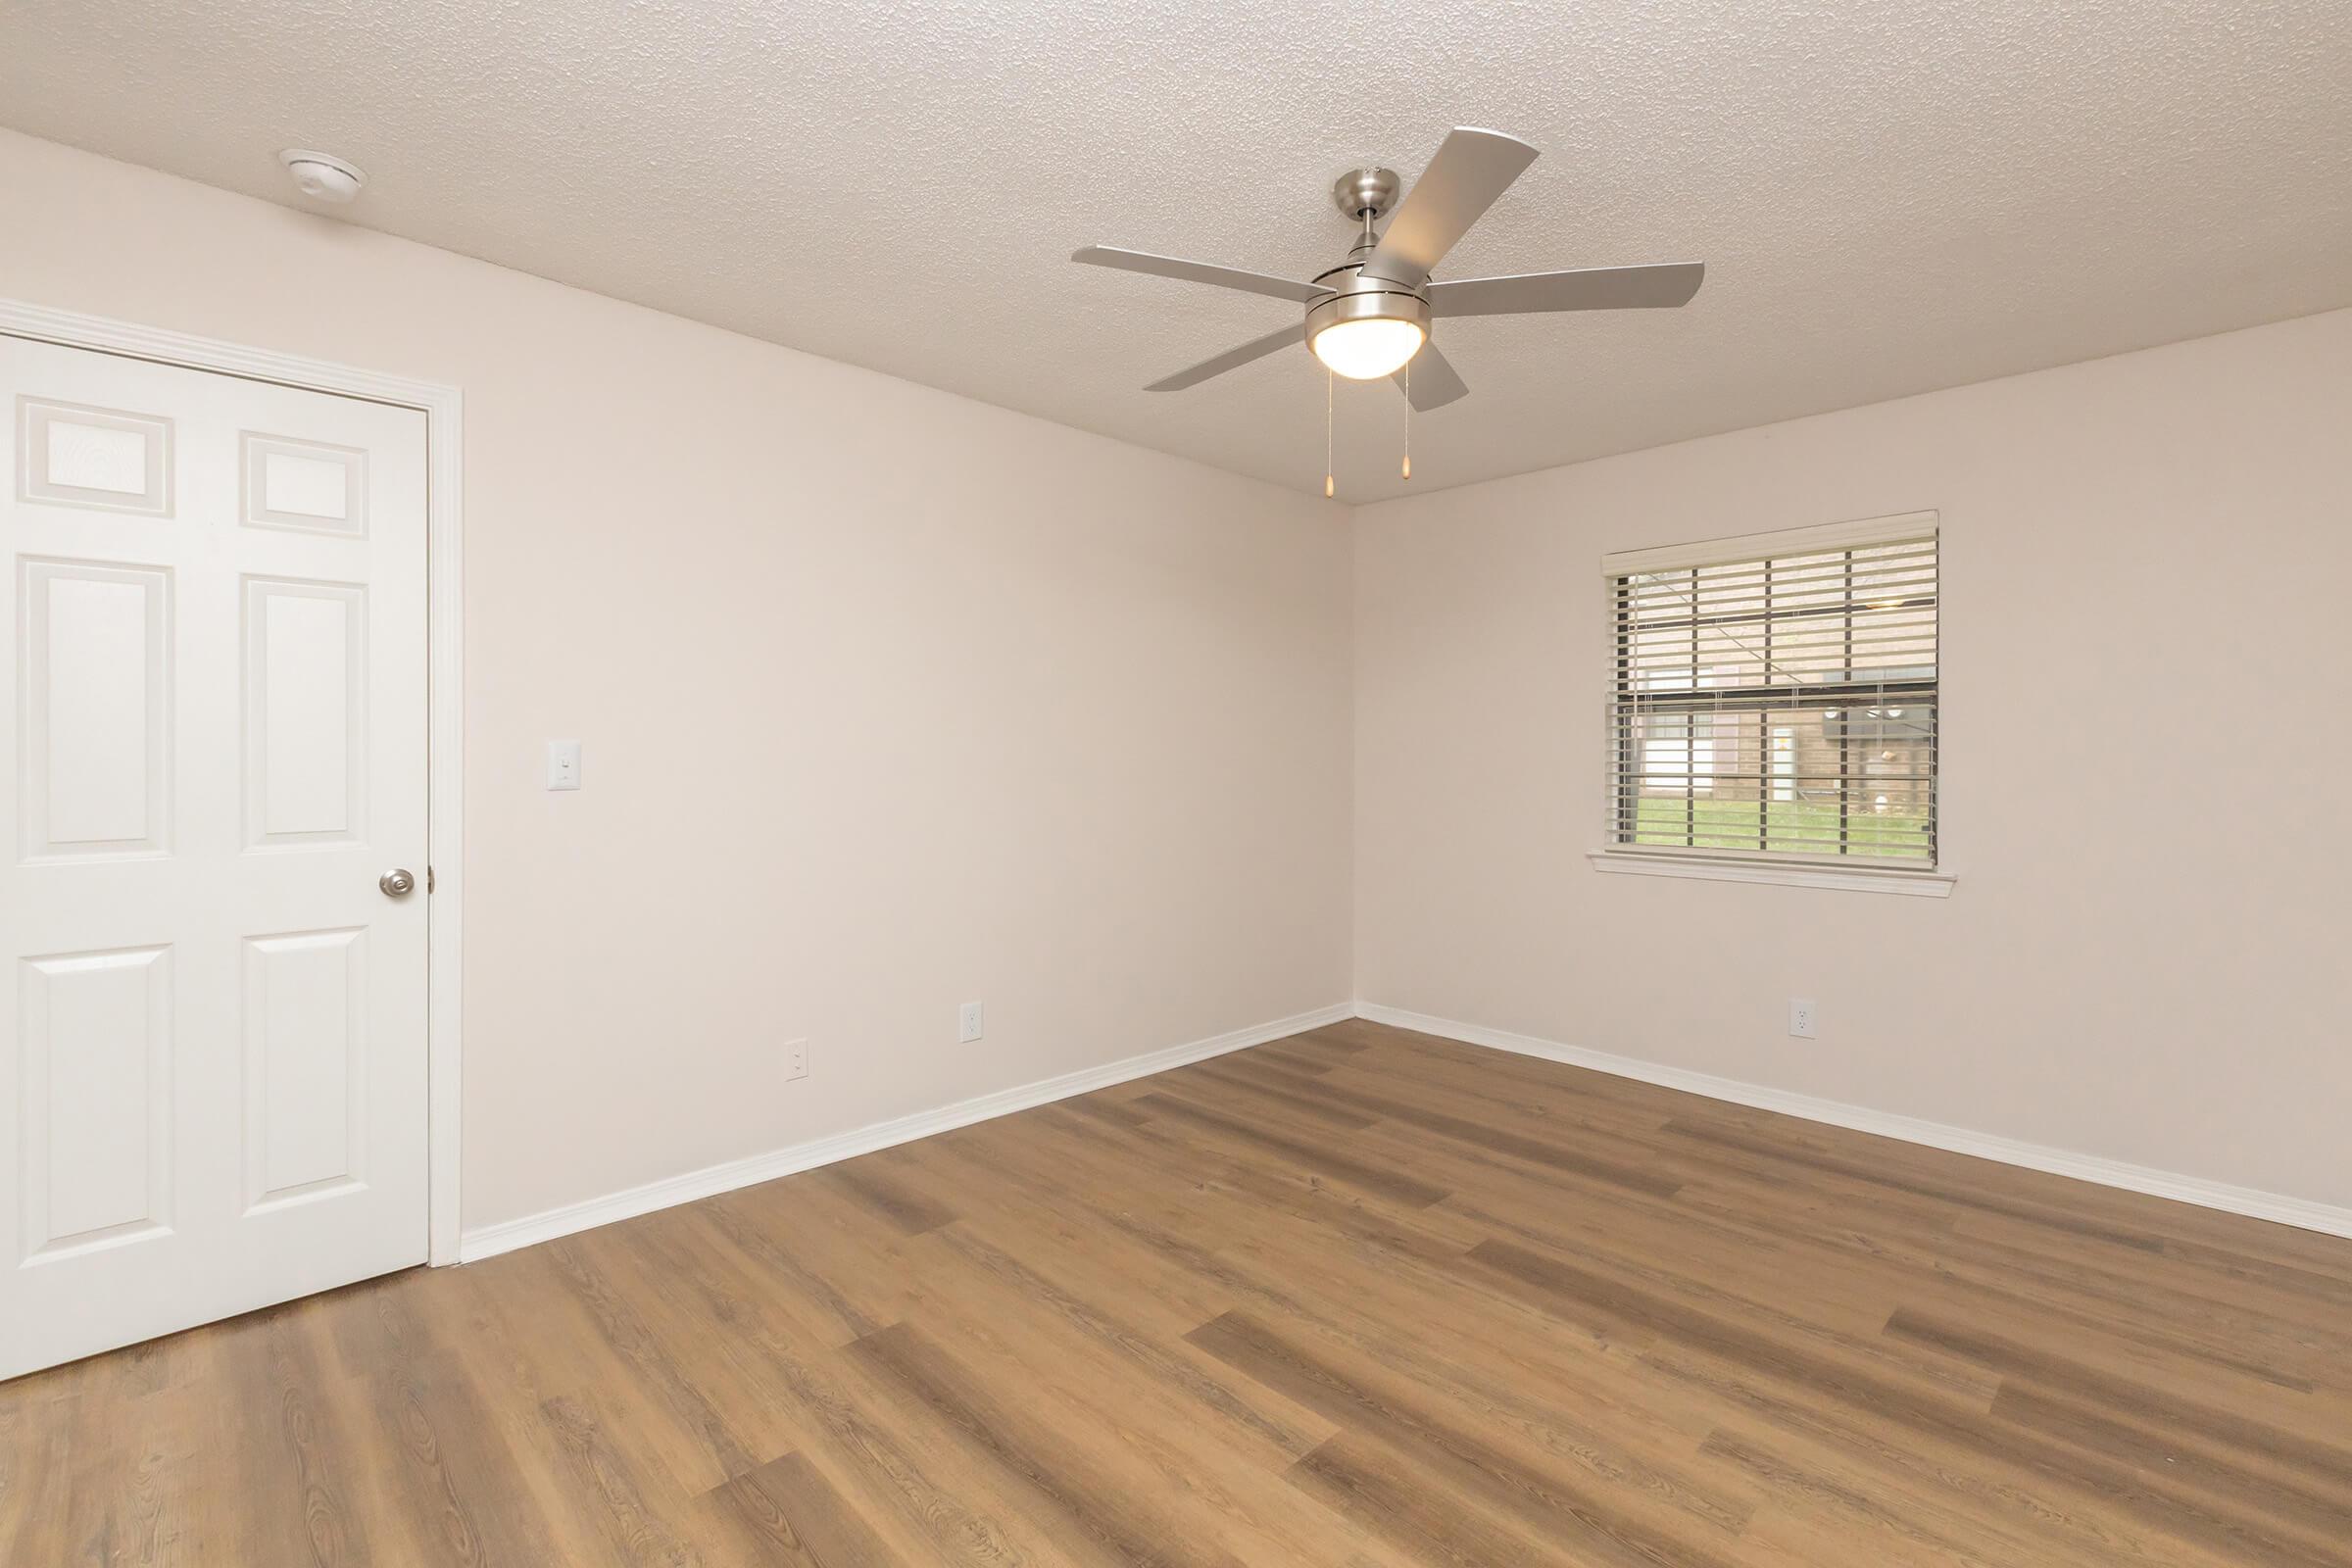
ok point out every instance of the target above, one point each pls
(1370, 315)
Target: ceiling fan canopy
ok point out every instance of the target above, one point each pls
(1372, 315)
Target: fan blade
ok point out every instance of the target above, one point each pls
(1470, 170)
(1590, 288)
(1281, 288)
(1231, 359)
(1429, 380)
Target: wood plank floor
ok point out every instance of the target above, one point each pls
(1358, 1298)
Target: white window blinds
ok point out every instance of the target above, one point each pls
(1775, 696)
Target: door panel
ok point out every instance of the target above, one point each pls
(103, 457)
(305, 713)
(97, 1075)
(306, 1063)
(97, 680)
(212, 744)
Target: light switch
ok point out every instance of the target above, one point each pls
(563, 765)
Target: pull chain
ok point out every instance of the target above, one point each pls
(1329, 381)
(1408, 418)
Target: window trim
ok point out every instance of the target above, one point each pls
(1816, 540)
(1666, 861)
(1933, 880)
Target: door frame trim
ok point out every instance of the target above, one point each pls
(445, 687)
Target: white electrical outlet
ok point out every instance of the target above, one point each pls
(796, 1059)
(968, 1022)
(1803, 1018)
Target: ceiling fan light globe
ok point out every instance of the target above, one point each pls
(1369, 348)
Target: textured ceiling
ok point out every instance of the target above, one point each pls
(1890, 197)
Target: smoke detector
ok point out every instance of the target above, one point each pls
(322, 176)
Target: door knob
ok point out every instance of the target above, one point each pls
(397, 882)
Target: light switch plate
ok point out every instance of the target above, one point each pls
(563, 765)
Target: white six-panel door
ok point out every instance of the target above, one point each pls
(211, 746)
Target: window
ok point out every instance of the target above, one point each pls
(1774, 696)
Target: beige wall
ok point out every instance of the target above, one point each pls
(890, 699)
(2146, 768)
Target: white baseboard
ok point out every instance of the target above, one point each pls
(489, 1240)
(2297, 1211)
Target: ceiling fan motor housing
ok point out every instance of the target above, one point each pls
(1364, 299)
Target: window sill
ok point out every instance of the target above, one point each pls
(1633, 862)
